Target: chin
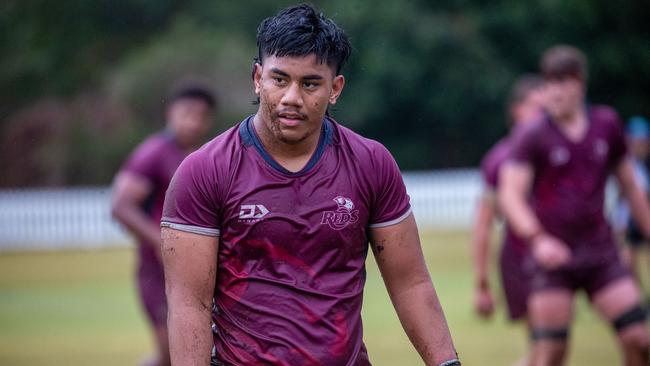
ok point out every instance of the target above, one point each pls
(291, 138)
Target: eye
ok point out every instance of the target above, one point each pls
(278, 80)
(309, 85)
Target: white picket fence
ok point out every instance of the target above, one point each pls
(80, 217)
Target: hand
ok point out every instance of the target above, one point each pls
(550, 252)
(483, 302)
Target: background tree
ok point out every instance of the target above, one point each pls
(82, 82)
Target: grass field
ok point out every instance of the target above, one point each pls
(80, 308)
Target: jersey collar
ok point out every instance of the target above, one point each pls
(249, 138)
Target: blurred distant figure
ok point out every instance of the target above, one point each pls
(524, 105)
(552, 194)
(139, 192)
(638, 137)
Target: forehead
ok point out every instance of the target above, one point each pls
(297, 66)
(561, 80)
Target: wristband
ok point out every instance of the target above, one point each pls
(454, 362)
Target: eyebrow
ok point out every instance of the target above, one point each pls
(279, 72)
(312, 77)
(306, 77)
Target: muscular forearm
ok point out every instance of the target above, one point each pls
(138, 223)
(423, 321)
(190, 335)
(519, 214)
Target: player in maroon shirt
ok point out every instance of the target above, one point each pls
(266, 228)
(139, 193)
(562, 162)
(524, 105)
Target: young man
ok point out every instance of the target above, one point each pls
(270, 221)
(524, 105)
(552, 194)
(139, 192)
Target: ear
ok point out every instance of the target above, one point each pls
(257, 77)
(337, 88)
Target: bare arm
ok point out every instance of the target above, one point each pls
(516, 181)
(401, 262)
(129, 192)
(190, 262)
(485, 213)
(634, 195)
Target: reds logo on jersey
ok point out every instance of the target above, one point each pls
(344, 215)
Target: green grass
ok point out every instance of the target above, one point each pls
(80, 308)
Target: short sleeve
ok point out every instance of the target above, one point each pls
(489, 172)
(391, 204)
(191, 202)
(524, 146)
(618, 144)
(144, 161)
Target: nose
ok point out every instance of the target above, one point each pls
(292, 95)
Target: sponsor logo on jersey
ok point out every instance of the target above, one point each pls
(559, 156)
(252, 212)
(601, 149)
(344, 215)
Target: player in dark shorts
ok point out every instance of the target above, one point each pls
(552, 194)
(139, 192)
(524, 105)
(271, 221)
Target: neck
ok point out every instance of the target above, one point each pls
(187, 148)
(292, 156)
(574, 125)
(575, 116)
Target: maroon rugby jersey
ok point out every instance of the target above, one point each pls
(155, 159)
(291, 261)
(568, 194)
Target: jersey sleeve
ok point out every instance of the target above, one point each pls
(191, 202)
(524, 146)
(391, 203)
(143, 161)
(489, 172)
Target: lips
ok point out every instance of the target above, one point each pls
(291, 118)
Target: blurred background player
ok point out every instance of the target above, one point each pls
(524, 105)
(139, 192)
(638, 138)
(552, 194)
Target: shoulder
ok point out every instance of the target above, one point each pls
(533, 128)
(495, 156)
(497, 152)
(359, 147)
(603, 112)
(529, 135)
(605, 116)
(151, 146)
(218, 153)
(145, 159)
